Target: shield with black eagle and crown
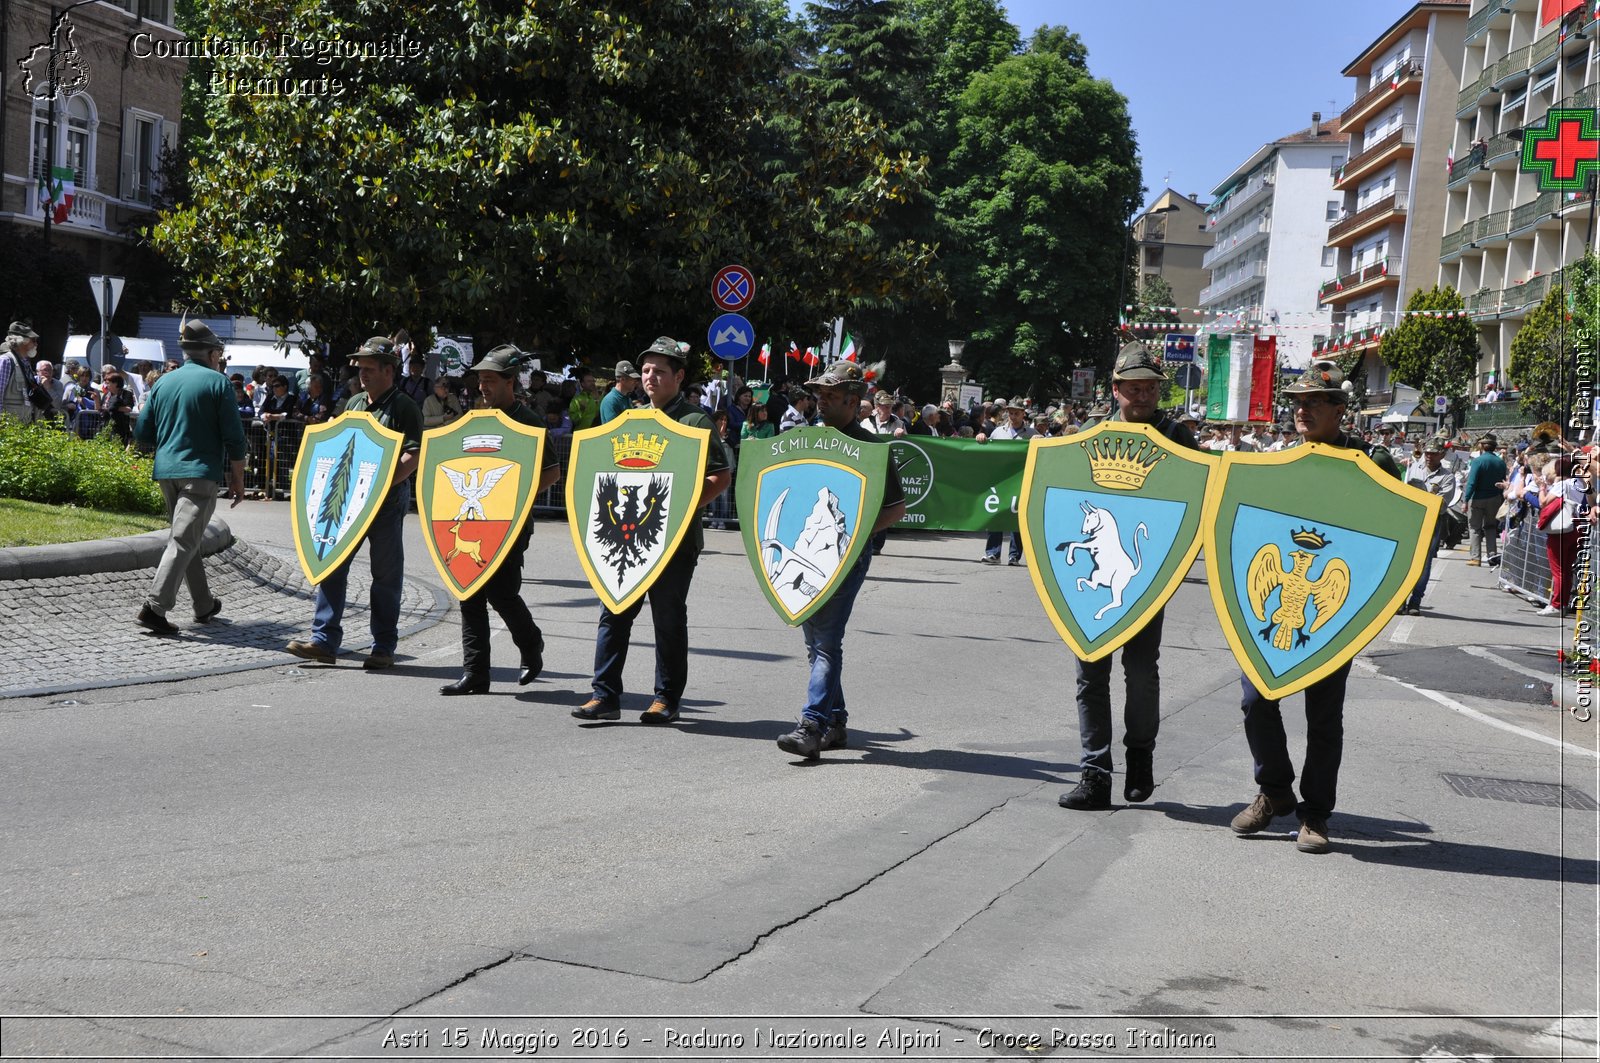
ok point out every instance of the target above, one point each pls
(633, 487)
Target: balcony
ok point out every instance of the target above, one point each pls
(1407, 77)
(1360, 282)
(1232, 281)
(1452, 244)
(1469, 97)
(1389, 209)
(1490, 12)
(1511, 66)
(1245, 237)
(88, 209)
(1400, 140)
(1247, 195)
(1530, 214)
(1463, 169)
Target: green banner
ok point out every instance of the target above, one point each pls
(959, 484)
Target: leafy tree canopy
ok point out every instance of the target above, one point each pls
(1439, 355)
(563, 173)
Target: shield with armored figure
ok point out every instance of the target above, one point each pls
(807, 502)
(1110, 522)
(1309, 552)
(476, 480)
(341, 476)
(633, 487)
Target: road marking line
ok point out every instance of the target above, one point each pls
(1402, 630)
(1489, 655)
(1483, 717)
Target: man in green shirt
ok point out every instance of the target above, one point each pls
(585, 405)
(663, 371)
(192, 423)
(497, 380)
(378, 363)
(619, 400)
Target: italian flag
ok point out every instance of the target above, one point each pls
(812, 358)
(766, 353)
(849, 351)
(794, 351)
(56, 193)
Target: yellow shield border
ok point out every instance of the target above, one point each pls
(473, 423)
(388, 440)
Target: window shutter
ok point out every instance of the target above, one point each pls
(130, 133)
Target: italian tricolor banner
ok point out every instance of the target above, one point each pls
(849, 351)
(1239, 375)
(56, 193)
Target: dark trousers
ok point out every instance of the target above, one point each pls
(1415, 600)
(669, 610)
(504, 592)
(1269, 747)
(1141, 710)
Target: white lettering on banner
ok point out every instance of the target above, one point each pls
(992, 503)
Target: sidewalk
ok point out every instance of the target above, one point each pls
(75, 630)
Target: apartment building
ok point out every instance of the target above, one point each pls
(1401, 125)
(117, 105)
(1173, 238)
(1505, 242)
(1270, 220)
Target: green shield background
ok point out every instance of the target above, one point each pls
(637, 449)
(1376, 525)
(1169, 504)
(779, 480)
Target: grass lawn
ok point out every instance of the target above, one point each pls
(35, 524)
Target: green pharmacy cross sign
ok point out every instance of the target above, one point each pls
(1565, 151)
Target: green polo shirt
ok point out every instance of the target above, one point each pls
(394, 410)
(192, 423)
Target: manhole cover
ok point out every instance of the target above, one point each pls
(1520, 791)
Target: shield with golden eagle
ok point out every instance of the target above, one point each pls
(633, 486)
(1309, 552)
(476, 479)
(1110, 522)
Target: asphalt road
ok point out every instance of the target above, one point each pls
(321, 862)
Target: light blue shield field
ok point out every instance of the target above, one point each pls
(808, 515)
(1105, 550)
(1367, 558)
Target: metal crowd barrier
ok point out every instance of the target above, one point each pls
(1525, 566)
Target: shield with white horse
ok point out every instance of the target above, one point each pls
(1110, 522)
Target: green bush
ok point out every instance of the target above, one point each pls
(42, 463)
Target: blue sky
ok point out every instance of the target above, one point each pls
(1209, 82)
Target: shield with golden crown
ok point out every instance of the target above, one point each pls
(1110, 522)
(476, 479)
(1309, 553)
(633, 487)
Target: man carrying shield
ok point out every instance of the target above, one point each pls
(839, 390)
(1319, 402)
(378, 364)
(1137, 381)
(497, 382)
(662, 371)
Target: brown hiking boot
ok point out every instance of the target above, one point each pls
(1262, 811)
(659, 713)
(1313, 836)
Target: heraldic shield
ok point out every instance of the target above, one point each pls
(476, 483)
(633, 486)
(340, 480)
(1110, 522)
(1309, 552)
(807, 502)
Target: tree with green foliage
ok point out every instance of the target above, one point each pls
(965, 38)
(564, 175)
(1435, 347)
(1542, 354)
(1047, 175)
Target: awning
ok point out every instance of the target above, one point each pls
(1405, 411)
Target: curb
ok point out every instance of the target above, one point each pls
(102, 555)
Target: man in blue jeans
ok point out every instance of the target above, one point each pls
(393, 409)
(1137, 381)
(662, 371)
(822, 724)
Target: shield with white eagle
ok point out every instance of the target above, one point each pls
(341, 476)
(476, 480)
(633, 486)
